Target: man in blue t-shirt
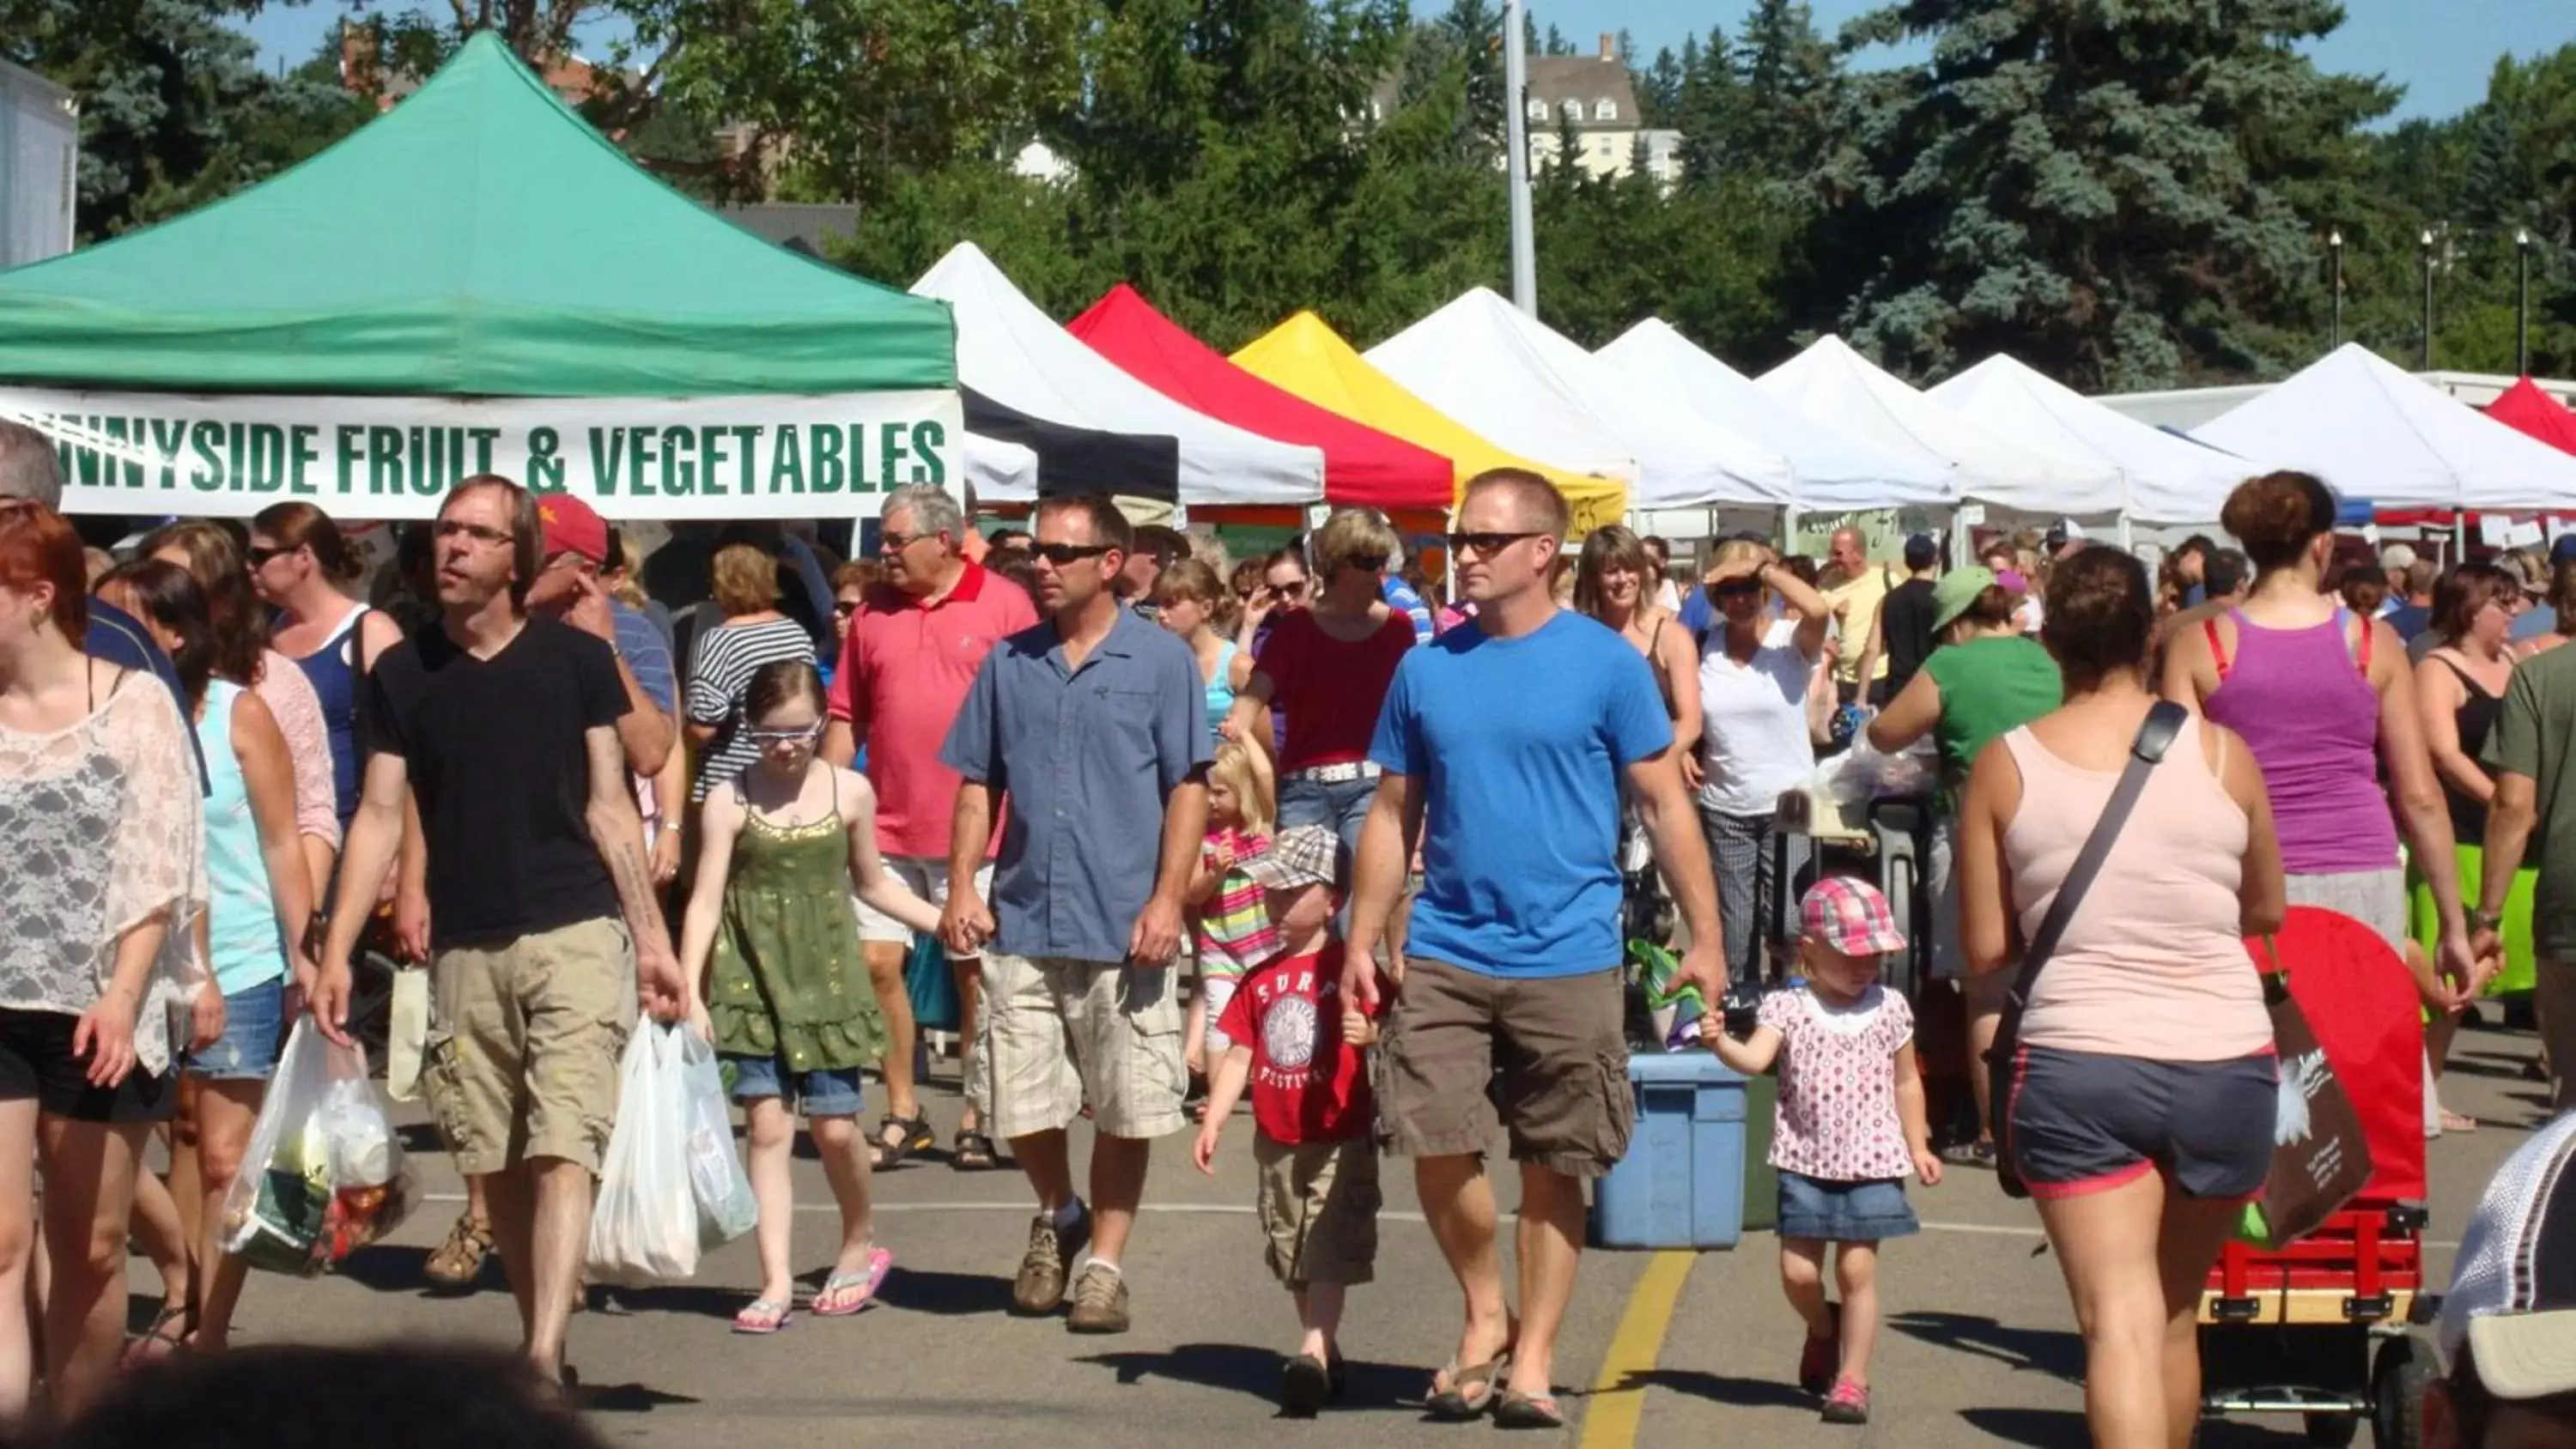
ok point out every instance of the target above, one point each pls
(1504, 745)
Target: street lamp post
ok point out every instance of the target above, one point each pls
(2522, 303)
(2334, 255)
(1516, 163)
(2428, 299)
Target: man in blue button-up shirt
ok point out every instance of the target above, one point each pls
(1094, 726)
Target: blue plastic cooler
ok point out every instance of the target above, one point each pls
(1682, 1182)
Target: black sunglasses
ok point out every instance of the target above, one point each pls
(1061, 554)
(1736, 588)
(259, 556)
(1488, 544)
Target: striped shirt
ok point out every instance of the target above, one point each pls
(720, 673)
(1235, 933)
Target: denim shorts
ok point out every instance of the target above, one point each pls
(822, 1092)
(2081, 1122)
(1844, 1212)
(1341, 806)
(254, 1028)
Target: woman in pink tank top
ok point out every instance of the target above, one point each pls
(2141, 1103)
(2326, 700)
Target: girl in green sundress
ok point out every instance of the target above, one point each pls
(790, 1010)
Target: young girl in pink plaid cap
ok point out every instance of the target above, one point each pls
(1850, 1127)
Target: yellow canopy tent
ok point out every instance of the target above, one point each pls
(1306, 356)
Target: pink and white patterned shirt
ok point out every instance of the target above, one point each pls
(1837, 1110)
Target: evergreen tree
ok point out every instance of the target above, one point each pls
(1705, 107)
(1786, 75)
(1659, 88)
(2100, 191)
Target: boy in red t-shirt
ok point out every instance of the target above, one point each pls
(1300, 1051)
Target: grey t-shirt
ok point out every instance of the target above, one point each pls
(2535, 737)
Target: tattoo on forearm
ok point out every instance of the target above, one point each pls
(634, 880)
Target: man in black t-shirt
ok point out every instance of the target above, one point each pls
(1904, 632)
(544, 931)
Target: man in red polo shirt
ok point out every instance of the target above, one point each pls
(912, 651)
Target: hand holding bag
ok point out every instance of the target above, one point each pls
(2320, 1151)
(2164, 720)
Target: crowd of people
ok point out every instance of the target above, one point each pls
(735, 783)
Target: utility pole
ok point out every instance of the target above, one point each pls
(2334, 254)
(2522, 302)
(2428, 299)
(1516, 143)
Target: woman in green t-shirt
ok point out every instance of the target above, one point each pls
(1985, 678)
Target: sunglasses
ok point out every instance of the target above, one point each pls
(1288, 590)
(259, 556)
(1367, 563)
(1488, 544)
(766, 738)
(844, 607)
(1735, 588)
(1061, 554)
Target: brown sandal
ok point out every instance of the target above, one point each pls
(458, 1262)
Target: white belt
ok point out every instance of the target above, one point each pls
(1337, 774)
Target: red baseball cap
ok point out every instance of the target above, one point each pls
(1851, 916)
(573, 526)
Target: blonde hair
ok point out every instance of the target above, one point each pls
(1353, 533)
(1733, 550)
(746, 579)
(1193, 580)
(1245, 770)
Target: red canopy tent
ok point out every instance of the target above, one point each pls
(1361, 464)
(2526, 409)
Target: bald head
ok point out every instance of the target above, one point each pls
(28, 466)
(1846, 550)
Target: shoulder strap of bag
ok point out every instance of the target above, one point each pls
(2164, 720)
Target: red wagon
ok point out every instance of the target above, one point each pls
(2323, 1327)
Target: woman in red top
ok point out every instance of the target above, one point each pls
(1327, 670)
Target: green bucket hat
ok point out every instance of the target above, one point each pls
(1955, 591)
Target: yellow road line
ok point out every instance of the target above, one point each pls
(1610, 1419)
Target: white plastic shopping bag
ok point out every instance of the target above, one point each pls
(726, 1208)
(324, 1174)
(644, 1228)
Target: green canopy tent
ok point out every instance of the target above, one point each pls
(479, 243)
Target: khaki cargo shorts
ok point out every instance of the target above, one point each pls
(524, 1044)
(1562, 1050)
(1056, 1033)
(1319, 1207)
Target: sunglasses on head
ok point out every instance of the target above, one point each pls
(1061, 554)
(1488, 543)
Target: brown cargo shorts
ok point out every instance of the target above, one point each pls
(524, 1044)
(1558, 1040)
(1319, 1204)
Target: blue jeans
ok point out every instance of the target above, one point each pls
(254, 1027)
(823, 1092)
(1341, 806)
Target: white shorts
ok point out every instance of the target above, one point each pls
(927, 876)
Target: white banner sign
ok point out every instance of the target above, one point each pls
(712, 458)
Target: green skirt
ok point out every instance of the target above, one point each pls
(2517, 975)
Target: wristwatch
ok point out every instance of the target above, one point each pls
(2486, 920)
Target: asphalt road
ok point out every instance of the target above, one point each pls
(1980, 1346)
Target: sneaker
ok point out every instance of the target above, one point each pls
(1099, 1302)
(1040, 1286)
(1848, 1403)
(1305, 1385)
(1818, 1360)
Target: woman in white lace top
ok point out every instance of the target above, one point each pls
(101, 824)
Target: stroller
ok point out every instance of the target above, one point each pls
(2320, 1327)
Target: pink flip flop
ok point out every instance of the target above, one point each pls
(866, 1281)
(762, 1317)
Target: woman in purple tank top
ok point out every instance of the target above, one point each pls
(2326, 701)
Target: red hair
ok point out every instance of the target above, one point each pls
(38, 547)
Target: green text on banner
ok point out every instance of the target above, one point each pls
(783, 456)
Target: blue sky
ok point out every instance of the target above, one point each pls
(2440, 50)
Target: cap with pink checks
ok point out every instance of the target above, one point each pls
(1851, 916)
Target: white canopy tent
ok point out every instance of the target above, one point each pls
(1829, 380)
(1683, 461)
(2372, 430)
(1016, 355)
(999, 471)
(2166, 479)
(1500, 388)
(1829, 470)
